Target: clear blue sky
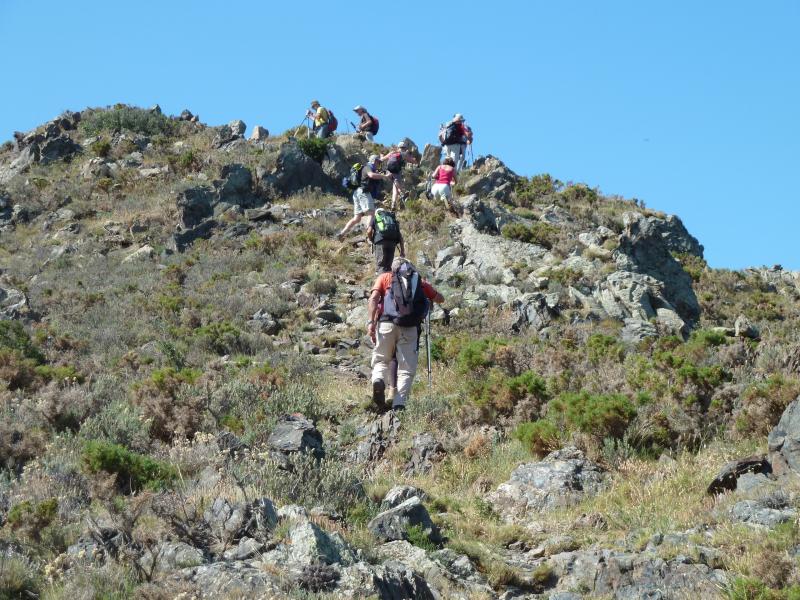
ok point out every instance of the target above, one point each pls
(689, 106)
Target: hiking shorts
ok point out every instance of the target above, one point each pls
(362, 202)
(384, 255)
(442, 190)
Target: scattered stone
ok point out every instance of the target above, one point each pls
(295, 433)
(146, 252)
(393, 524)
(169, 556)
(264, 322)
(767, 512)
(13, 303)
(425, 450)
(742, 327)
(399, 494)
(378, 436)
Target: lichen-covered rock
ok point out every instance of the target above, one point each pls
(563, 478)
(784, 441)
(393, 524)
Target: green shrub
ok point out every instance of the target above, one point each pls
(122, 118)
(101, 148)
(221, 338)
(134, 471)
(600, 415)
(580, 193)
(418, 536)
(526, 384)
(539, 437)
(477, 355)
(693, 265)
(119, 422)
(314, 147)
(529, 191)
(708, 338)
(751, 588)
(600, 346)
(542, 234)
(14, 337)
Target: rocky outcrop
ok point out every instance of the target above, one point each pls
(643, 249)
(562, 478)
(13, 303)
(294, 433)
(394, 523)
(490, 178)
(784, 442)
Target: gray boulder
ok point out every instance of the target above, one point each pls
(259, 134)
(377, 437)
(238, 127)
(233, 579)
(393, 524)
(769, 511)
(264, 322)
(295, 171)
(231, 522)
(57, 148)
(563, 478)
(13, 303)
(784, 441)
(430, 157)
(194, 205)
(742, 327)
(399, 494)
(169, 556)
(533, 310)
(310, 544)
(425, 450)
(389, 581)
(295, 433)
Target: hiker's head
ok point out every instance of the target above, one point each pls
(402, 145)
(459, 118)
(374, 159)
(449, 161)
(399, 262)
(359, 110)
(315, 104)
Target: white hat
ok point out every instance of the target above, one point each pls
(458, 117)
(358, 108)
(402, 144)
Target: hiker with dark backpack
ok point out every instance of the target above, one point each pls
(455, 136)
(366, 181)
(395, 160)
(368, 126)
(398, 304)
(324, 121)
(384, 233)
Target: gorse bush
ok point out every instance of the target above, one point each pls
(314, 147)
(530, 191)
(126, 118)
(538, 233)
(170, 403)
(134, 471)
(600, 415)
(539, 437)
(14, 337)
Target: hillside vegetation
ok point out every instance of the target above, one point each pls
(185, 401)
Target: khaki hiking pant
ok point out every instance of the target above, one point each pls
(393, 341)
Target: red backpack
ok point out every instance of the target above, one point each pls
(376, 125)
(333, 122)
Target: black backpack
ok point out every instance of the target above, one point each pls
(395, 163)
(405, 303)
(452, 134)
(387, 226)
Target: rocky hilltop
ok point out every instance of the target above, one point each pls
(184, 383)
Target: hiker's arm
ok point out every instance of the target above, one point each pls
(455, 177)
(435, 173)
(438, 299)
(372, 311)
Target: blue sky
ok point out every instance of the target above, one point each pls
(689, 106)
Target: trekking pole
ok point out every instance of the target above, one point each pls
(303, 122)
(428, 345)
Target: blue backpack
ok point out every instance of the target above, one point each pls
(405, 303)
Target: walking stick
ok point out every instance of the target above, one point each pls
(428, 345)
(303, 122)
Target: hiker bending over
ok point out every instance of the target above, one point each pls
(395, 160)
(443, 179)
(384, 233)
(398, 304)
(322, 119)
(368, 126)
(455, 137)
(368, 180)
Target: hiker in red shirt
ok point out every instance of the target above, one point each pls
(397, 307)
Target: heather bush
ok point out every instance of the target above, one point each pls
(314, 147)
(599, 415)
(536, 189)
(539, 437)
(538, 233)
(170, 403)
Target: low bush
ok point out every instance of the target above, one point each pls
(13, 337)
(18, 578)
(29, 519)
(538, 233)
(601, 346)
(599, 415)
(221, 338)
(530, 191)
(122, 118)
(169, 402)
(539, 437)
(101, 148)
(314, 147)
(134, 472)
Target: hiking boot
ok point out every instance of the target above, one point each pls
(379, 393)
